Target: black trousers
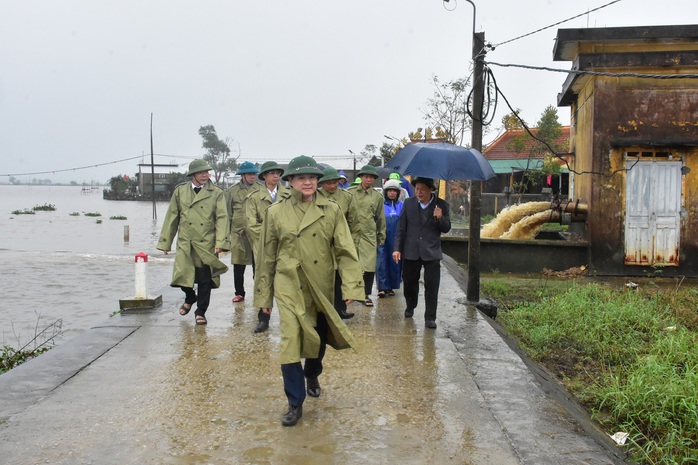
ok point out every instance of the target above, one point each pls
(239, 278)
(202, 276)
(432, 280)
(368, 281)
(294, 374)
(339, 304)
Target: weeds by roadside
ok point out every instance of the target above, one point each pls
(629, 355)
(41, 342)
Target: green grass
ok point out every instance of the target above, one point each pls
(93, 214)
(23, 212)
(631, 357)
(118, 217)
(75, 214)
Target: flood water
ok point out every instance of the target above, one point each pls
(57, 266)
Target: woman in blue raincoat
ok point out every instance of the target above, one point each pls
(388, 272)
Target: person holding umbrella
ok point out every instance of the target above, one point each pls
(370, 228)
(423, 219)
(302, 236)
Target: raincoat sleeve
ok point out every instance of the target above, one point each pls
(265, 261)
(352, 216)
(380, 222)
(170, 224)
(253, 221)
(347, 261)
(222, 222)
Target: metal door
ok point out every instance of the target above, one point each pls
(652, 208)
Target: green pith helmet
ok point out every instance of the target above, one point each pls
(356, 182)
(368, 169)
(330, 174)
(302, 165)
(269, 166)
(247, 167)
(395, 176)
(198, 166)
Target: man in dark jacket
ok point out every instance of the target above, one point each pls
(418, 241)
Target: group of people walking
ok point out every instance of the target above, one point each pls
(314, 248)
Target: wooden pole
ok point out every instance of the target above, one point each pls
(473, 291)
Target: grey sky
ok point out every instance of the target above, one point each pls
(79, 79)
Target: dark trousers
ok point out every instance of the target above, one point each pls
(432, 279)
(294, 374)
(202, 276)
(239, 278)
(368, 281)
(339, 304)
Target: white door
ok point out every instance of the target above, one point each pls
(652, 208)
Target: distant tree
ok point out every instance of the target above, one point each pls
(512, 121)
(122, 184)
(369, 153)
(548, 131)
(217, 152)
(13, 180)
(446, 110)
(173, 179)
(73, 183)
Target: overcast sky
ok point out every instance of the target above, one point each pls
(80, 79)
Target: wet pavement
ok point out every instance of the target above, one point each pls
(153, 388)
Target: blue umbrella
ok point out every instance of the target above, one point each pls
(441, 160)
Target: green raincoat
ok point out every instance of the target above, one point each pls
(256, 204)
(346, 202)
(200, 222)
(369, 231)
(241, 250)
(294, 258)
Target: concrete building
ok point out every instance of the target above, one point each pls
(635, 142)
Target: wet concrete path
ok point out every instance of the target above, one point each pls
(156, 389)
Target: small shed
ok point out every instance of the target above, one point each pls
(633, 96)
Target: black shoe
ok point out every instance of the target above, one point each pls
(262, 326)
(291, 417)
(313, 387)
(345, 315)
(409, 313)
(430, 324)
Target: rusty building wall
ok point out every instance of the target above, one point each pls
(582, 120)
(639, 113)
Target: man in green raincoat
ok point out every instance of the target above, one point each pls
(198, 216)
(302, 237)
(329, 187)
(256, 204)
(369, 232)
(241, 251)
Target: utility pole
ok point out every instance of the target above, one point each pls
(473, 292)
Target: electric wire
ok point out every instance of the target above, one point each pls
(595, 73)
(549, 147)
(556, 24)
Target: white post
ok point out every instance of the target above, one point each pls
(141, 276)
